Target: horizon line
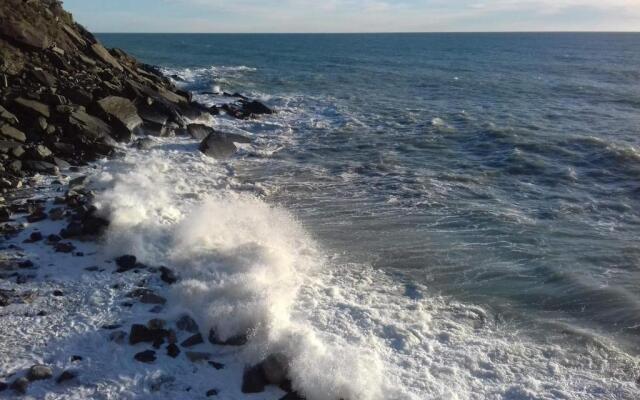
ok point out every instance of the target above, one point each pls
(361, 33)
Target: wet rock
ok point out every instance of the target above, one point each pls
(123, 115)
(64, 247)
(195, 356)
(192, 341)
(142, 334)
(5, 214)
(3, 386)
(199, 131)
(117, 336)
(275, 368)
(188, 324)
(58, 293)
(42, 167)
(39, 372)
(37, 216)
(56, 214)
(20, 385)
(126, 263)
(143, 144)
(173, 350)
(152, 298)
(156, 323)
(168, 276)
(66, 376)
(238, 340)
(78, 182)
(216, 365)
(253, 380)
(218, 145)
(147, 356)
(212, 392)
(292, 396)
(76, 358)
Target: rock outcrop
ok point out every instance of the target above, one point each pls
(63, 91)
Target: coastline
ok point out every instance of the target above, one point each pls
(68, 103)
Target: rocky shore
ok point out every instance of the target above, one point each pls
(65, 102)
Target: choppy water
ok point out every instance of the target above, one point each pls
(477, 197)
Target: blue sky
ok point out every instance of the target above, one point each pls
(355, 15)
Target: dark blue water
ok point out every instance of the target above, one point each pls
(500, 170)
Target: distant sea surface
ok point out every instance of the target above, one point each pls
(493, 178)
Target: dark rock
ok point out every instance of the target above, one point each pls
(193, 341)
(80, 181)
(89, 126)
(123, 115)
(212, 392)
(253, 380)
(58, 293)
(74, 229)
(142, 334)
(168, 276)
(42, 167)
(35, 237)
(199, 131)
(238, 340)
(275, 368)
(56, 214)
(20, 385)
(37, 216)
(117, 336)
(7, 116)
(188, 324)
(217, 145)
(256, 108)
(216, 365)
(32, 107)
(195, 356)
(152, 298)
(3, 386)
(62, 247)
(292, 396)
(53, 239)
(66, 376)
(76, 358)
(5, 214)
(173, 350)
(147, 356)
(39, 372)
(44, 77)
(126, 263)
(144, 144)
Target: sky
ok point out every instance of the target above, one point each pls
(355, 15)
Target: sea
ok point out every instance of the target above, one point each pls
(426, 216)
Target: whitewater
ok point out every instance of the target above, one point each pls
(478, 241)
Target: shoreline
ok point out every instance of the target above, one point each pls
(54, 129)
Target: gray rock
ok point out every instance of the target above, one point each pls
(10, 132)
(199, 131)
(123, 114)
(24, 33)
(33, 107)
(7, 116)
(20, 385)
(89, 126)
(39, 372)
(144, 143)
(188, 324)
(42, 167)
(218, 146)
(104, 56)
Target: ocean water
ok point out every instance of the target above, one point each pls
(427, 216)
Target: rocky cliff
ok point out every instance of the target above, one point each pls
(66, 100)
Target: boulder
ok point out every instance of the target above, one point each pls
(105, 56)
(126, 263)
(188, 324)
(173, 350)
(20, 385)
(45, 78)
(218, 145)
(24, 33)
(141, 334)
(9, 132)
(33, 107)
(88, 126)
(123, 115)
(39, 372)
(275, 368)
(253, 380)
(168, 276)
(7, 116)
(238, 340)
(41, 167)
(199, 131)
(147, 356)
(193, 341)
(66, 376)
